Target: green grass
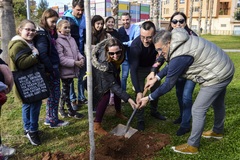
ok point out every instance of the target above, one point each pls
(73, 139)
(225, 42)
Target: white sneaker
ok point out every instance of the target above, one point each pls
(6, 151)
(60, 124)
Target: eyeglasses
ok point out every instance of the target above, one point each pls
(160, 49)
(29, 29)
(117, 53)
(181, 21)
(147, 38)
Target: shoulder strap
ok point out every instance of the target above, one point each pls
(20, 53)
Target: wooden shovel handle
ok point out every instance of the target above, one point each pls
(145, 92)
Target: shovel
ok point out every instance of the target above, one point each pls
(126, 131)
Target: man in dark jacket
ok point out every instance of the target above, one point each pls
(142, 57)
(78, 32)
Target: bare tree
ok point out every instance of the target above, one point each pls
(200, 17)
(175, 6)
(211, 14)
(8, 26)
(155, 12)
(114, 11)
(89, 78)
(191, 14)
(206, 16)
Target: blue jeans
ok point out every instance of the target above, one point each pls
(30, 115)
(125, 72)
(184, 91)
(80, 87)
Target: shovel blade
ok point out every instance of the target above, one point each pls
(120, 130)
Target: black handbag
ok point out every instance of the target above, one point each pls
(31, 83)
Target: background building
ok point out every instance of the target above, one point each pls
(223, 21)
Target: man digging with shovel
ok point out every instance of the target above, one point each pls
(202, 62)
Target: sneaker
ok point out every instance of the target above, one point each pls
(178, 120)
(59, 124)
(46, 123)
(25, 132)
(6, 151)
(74, 105)
(75, 115)
(141, 126)
(34, 138)
(62, 113)
(181, 131)
(185, 149)
(211, 134)
(157, 115)
(82, 102)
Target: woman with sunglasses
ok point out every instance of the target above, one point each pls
(107, 57)
(184, 88)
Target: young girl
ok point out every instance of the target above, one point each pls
(98, 33)
(45, 43)
(107, 57)
(23, 42)
(109, 23)
(70, 62)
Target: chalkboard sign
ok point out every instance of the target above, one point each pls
(31, 84)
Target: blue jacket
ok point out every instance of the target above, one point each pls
(78, 29)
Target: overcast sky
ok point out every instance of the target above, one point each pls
(56, 2)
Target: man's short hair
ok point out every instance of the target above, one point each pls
(126, 14)
(147, 25)
(163, 35)
(79, 3)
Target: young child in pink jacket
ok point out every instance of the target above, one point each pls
(71, 60)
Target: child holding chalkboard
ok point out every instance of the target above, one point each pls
(70, 62)
(23, 43)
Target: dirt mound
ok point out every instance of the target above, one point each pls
(141, 145)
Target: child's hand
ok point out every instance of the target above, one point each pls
(79, 63)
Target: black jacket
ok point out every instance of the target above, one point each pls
(105, 75)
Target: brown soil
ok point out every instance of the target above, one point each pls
(141, 145)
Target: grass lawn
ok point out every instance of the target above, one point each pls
(73, 139)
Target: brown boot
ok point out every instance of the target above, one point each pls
(121, 116)
(98, 129)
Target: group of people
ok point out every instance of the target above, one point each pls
(140, 50)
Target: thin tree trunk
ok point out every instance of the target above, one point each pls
(200, 17)
(175, 6)
(191, 14)
(89, 78)
(211, 14)
(8, 26)
(155, 13)
(114, 11)
(206, 16)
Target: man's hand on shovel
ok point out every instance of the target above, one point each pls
(132, 103)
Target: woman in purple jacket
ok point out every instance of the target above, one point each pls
(70, 62)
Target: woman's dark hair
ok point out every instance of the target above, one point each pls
(114, 42)
(170, 28)
(110, 17)
(94, 20)
(79, 3)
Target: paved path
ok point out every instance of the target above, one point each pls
(231, 50)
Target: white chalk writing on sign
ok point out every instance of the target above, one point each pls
(32, 85)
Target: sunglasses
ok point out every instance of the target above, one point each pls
(181, 21)
(117, 53)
